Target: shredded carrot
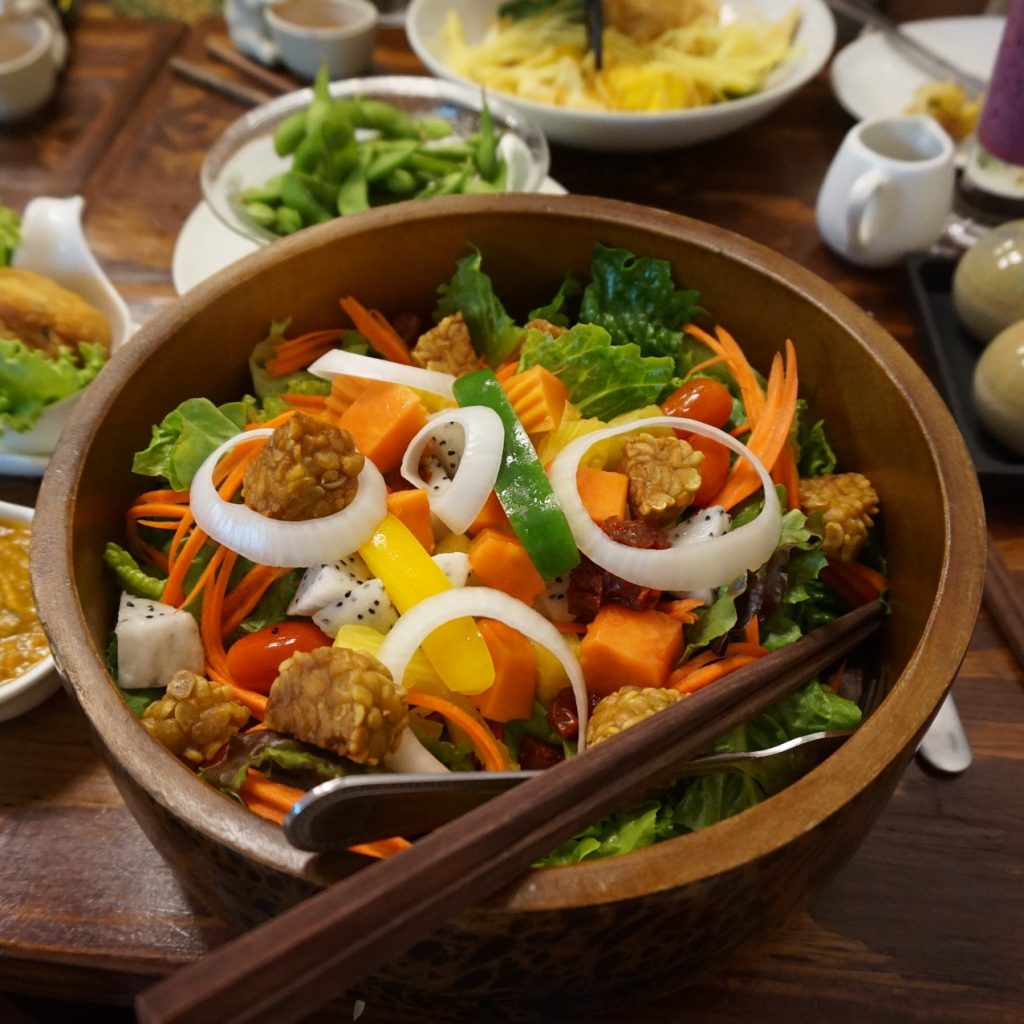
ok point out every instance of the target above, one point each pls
(212, 614)
(507, 369)
(275, 421)
(785, 472)
(314, 403)
(178, 563)
(724, 345)
(705, 657)
(204, 577)
(246, 594)
(855, 582)
(378, 332)
(710, 673)
(742, 647)
(752, 631)
(382, 848)
(836, 679)
(770, 432)
(297, 353)
(486, 746)
(273, 800)
(157, 508)
(713, 361)
(164, 494)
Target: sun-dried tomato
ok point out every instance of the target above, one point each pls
(535, 754)
(562, 716)
(636, 533)
(590, 586)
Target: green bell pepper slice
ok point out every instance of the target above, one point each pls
(522, 486)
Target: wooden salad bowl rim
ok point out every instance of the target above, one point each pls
(886, 736)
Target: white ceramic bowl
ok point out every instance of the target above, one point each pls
(626, 132)
(244, 154)
(53, 243)
(34, 686)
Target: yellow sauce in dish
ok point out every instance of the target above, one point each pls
(22, 641)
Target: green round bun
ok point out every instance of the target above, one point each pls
(988, 283)
(999, 387)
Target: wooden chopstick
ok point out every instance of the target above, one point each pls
(224, 50)
(1003, 599)
(594, 14)
(219, 83)
(284, 969)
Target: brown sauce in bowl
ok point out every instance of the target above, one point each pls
(22, 641)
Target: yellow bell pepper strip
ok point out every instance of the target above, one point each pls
(522, 486)
(457, 650)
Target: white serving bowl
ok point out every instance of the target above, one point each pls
(34, 686)
(53, 244)
(628, 132)
(244, 155)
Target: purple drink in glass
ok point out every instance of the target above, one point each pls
(1001, 127)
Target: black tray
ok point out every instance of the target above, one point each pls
(950, 355)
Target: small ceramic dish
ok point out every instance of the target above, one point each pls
(244, 155)
(33, 686)
(613, 131)
(338, 34)
(53, 244)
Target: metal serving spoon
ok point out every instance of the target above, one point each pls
(362, 808)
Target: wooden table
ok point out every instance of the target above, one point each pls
(925, 922)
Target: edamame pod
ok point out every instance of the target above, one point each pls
(297, 195)
(289, 133)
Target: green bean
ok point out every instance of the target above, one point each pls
(388, 119)
(353, 196)
(298, 196)
(262, 215)
(457, 151)
(400, 182)
(430, 165)
(289, 133)
(434, 127)
(487, 151)
(311, 153)
(382, 163)
(323, 192)
(288, 220)
(268, 192)
(320, 107)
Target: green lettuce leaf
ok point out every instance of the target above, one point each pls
(10, 234)
(493, 333)
(816, 455)
(185, 437)
(558, 311)
(635, 299)
(30, 381)
(603, 379)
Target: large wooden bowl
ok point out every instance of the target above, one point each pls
(598, 934)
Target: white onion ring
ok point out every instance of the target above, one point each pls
(280, 542)
(683, 567)
(458, 504)
(423, 618)
(339, 362)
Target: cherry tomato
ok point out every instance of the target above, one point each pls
(703, 399)
(713, 469)
(255, 659)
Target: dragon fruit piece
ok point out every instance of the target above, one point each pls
(450, 441)
(323, 584)
(702, 525)
(552, 604)
(364, 604)
(154, 641)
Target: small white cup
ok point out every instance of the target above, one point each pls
(32, 50)
(888, 190)
(310, 33)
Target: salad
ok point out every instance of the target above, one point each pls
(487, 542)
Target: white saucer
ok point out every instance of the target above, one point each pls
(870, 78)
(206, 245)
(23, 465)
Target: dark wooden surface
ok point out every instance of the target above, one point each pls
(925, 923)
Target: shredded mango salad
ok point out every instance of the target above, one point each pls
(545, 58)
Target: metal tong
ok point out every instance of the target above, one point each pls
(593, 16)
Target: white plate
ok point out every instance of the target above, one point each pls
(871, 78)
(206, 244)
(635, 133)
